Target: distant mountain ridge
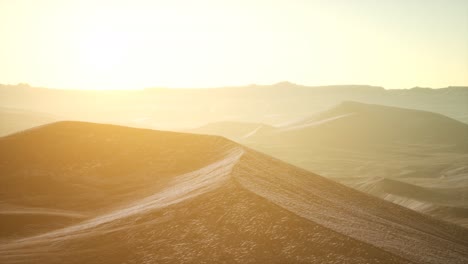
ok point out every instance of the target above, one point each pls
(276, 104)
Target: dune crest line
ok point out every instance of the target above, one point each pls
(183, 187)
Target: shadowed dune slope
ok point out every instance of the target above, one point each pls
(124, 195)
(447, 203)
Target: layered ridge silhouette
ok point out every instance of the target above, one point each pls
(189, 108)
(118, 194)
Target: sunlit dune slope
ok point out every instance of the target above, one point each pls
(93, 168)
(139, 196)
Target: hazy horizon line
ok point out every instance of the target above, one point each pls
(280, 83)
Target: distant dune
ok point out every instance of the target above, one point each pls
(367, 147)
(357, 123)
(233, 130)
(14, 120)
(354, 123)
(151, 196)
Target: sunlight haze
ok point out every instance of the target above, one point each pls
(233, 131)
(137, 44)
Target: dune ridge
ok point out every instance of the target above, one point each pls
(410, 157)
(236, 205)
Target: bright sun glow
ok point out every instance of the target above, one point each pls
(104, 51)
(136, 44)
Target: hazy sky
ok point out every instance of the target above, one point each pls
(137, 44)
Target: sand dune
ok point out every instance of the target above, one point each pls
(14, 120)
(454, 196)
(450, 204)
(18, 221)
(414, 158)
(233, 130)
(165, 197)
(352, 123)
